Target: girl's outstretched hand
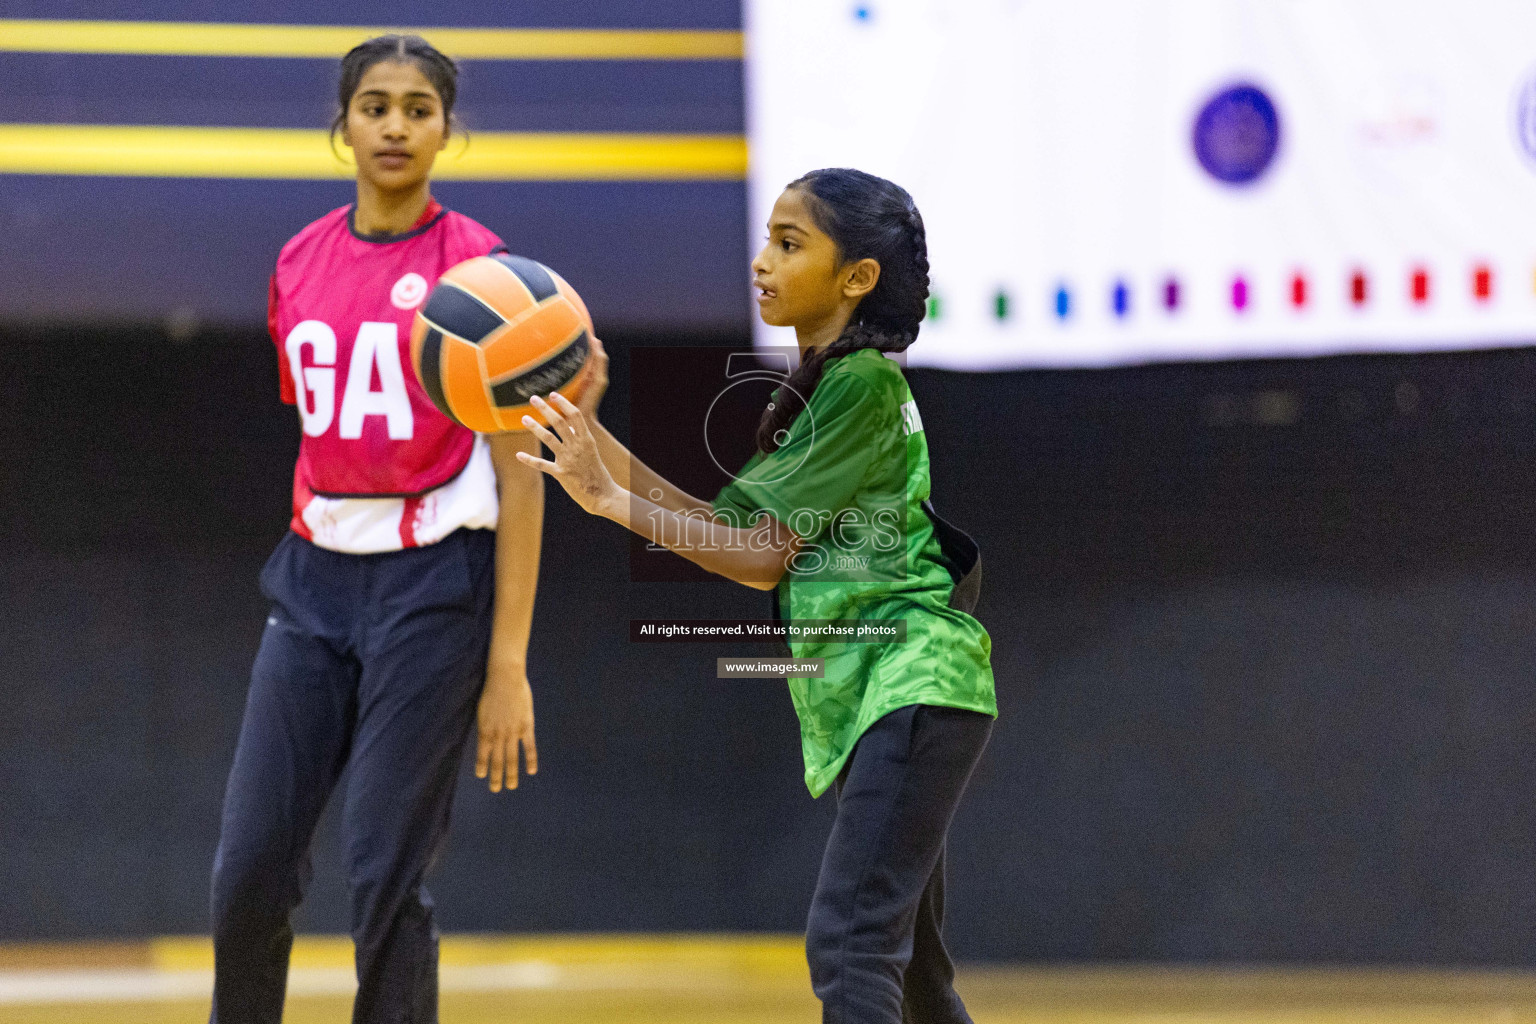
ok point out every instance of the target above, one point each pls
(577, 465)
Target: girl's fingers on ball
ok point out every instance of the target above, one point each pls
(548, 410)
(569, 413)
(539, 430)
(559, 423)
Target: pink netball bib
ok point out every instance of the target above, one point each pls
(340, 310)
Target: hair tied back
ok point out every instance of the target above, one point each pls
(867, 217)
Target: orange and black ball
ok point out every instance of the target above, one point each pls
(495, 331)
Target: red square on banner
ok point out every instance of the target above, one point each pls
(1482, 282)
(1359, 288)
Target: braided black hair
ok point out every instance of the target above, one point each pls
(868, 218)
(436, 66)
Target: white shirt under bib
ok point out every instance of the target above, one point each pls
(365, 526)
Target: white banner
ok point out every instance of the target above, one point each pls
(1121, 181)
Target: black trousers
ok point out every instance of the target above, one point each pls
(874, 938)
(374, 662)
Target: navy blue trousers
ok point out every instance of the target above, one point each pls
(373, 662)
(874, 939)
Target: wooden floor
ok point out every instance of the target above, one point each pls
(732, 980)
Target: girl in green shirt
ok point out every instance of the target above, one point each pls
(832, 513)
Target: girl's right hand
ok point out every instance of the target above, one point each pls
(597, 381)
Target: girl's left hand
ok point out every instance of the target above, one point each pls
(577, 465)
(505, 722)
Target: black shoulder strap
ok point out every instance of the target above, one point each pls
(963, 558)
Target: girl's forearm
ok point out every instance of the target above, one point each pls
(756, 557)
(519, 537)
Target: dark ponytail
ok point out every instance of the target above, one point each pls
(868, 218)
(436, 66)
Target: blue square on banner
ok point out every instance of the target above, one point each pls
(1120, 299)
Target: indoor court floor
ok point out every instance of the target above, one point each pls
(732, 980)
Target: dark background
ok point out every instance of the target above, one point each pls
(1264, 640)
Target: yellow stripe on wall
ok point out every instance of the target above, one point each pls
(176, 152)
(211, 39)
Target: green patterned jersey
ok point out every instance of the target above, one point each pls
(849, 481)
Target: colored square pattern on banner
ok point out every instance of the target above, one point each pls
(1175, 180)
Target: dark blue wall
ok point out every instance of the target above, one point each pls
(148, 250)
(1264, 637)
(154, 250)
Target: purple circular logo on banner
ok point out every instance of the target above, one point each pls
(1237, 134)
(1525, 116)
